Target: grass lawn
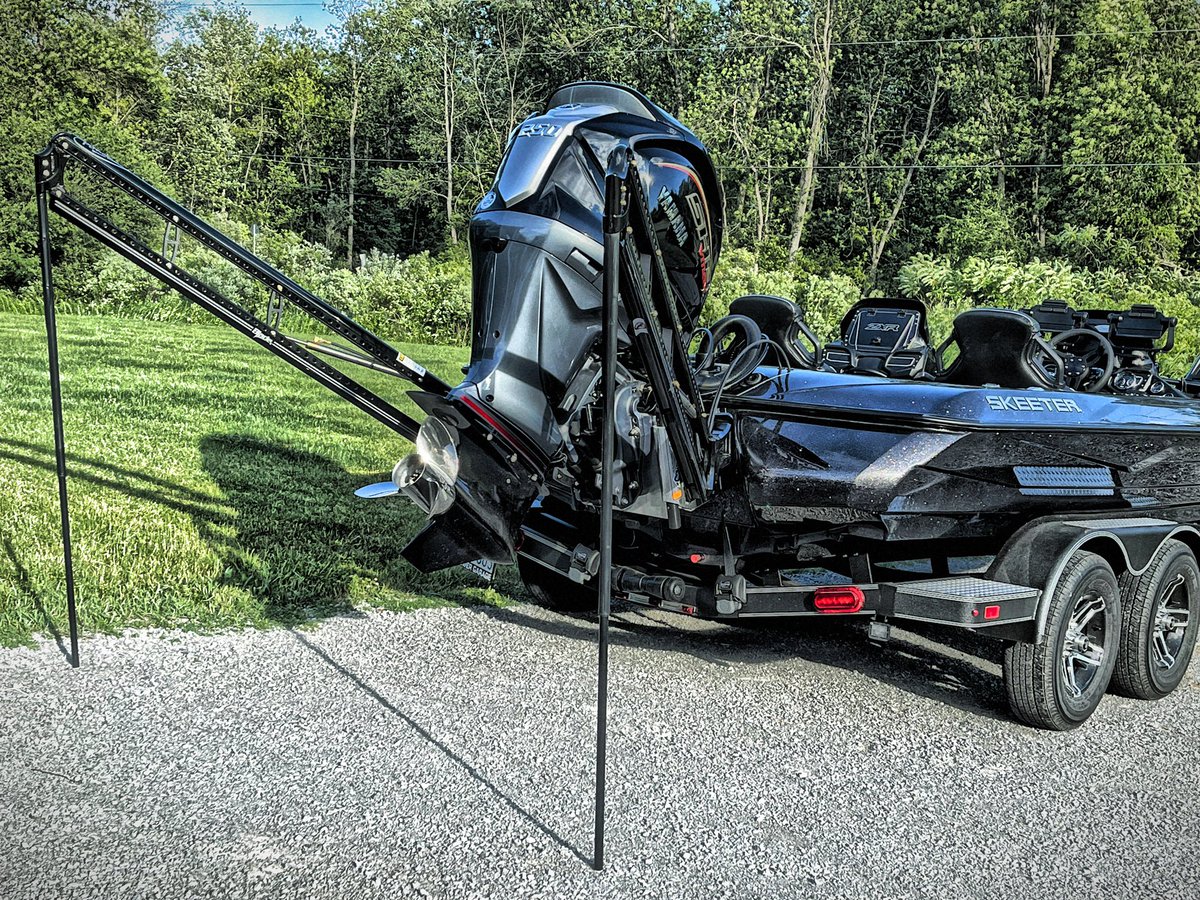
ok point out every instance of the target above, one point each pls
(211, 484)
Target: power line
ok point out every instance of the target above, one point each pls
(873, 42)
(777, 45)
(1000, 38)
(1066, 164)
(358, 159)
(996, 166)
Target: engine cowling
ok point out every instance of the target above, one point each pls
(537, 267)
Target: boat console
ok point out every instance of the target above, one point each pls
(1126, 342)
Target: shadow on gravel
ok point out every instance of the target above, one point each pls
(462, 763)
(951, 667)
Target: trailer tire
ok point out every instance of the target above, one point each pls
(1057, 681)
(1156, 641)
(554, 591)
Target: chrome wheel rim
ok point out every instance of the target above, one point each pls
(1083, 644)
(1172, 613)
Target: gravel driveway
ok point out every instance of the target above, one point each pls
(448, 753)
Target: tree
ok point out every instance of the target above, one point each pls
(747, 109)
(1131, 132)
(820, 51)
(88, 66)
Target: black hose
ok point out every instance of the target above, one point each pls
(781, 358)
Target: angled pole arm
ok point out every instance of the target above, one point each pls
(368, 350)
(68, 150)
(371, 351)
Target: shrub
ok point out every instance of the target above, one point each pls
(738, 274)
(427, 298)
(1003, 281)
(824, 299)
(420, 298)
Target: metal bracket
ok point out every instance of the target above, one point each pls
(730, 593)
(170, 242)
(730, 590)
(275, 305)
(585, 563)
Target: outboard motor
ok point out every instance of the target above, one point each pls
(486, 449)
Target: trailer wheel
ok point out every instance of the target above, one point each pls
(1159, 622)
(1058, 681)
(555, 592)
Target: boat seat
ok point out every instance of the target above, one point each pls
(780, 320)
(886, 336)
(1000, 347)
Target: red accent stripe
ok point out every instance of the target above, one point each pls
(704, 273)
(515, 442)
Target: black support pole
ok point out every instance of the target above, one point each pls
(615, 218)
(60, 445)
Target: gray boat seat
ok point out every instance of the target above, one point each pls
(780, 320)
(1001, 347)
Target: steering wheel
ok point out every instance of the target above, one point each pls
(733, 341)
(1089, 370)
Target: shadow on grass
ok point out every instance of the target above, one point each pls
(284, 525)
(301, 542)
(25, 586)
(131, 482)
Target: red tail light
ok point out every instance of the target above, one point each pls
(840, 599)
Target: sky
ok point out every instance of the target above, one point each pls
(275, 13)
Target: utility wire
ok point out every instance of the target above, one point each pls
(874, 42)
(775, 45)
(235, 5)
(852, 167)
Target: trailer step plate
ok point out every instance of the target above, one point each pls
(973, 602)
(966, 588)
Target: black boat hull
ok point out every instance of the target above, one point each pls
(895, 460)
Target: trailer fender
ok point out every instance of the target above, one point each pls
(1038, 553)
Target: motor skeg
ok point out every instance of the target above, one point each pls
(537, 272)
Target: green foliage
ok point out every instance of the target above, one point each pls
(82, 65)
(424, 298)
(421, 298)
(868, 135)
(825, 299)
(738, 274)
(211, 485)
(950, 288)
